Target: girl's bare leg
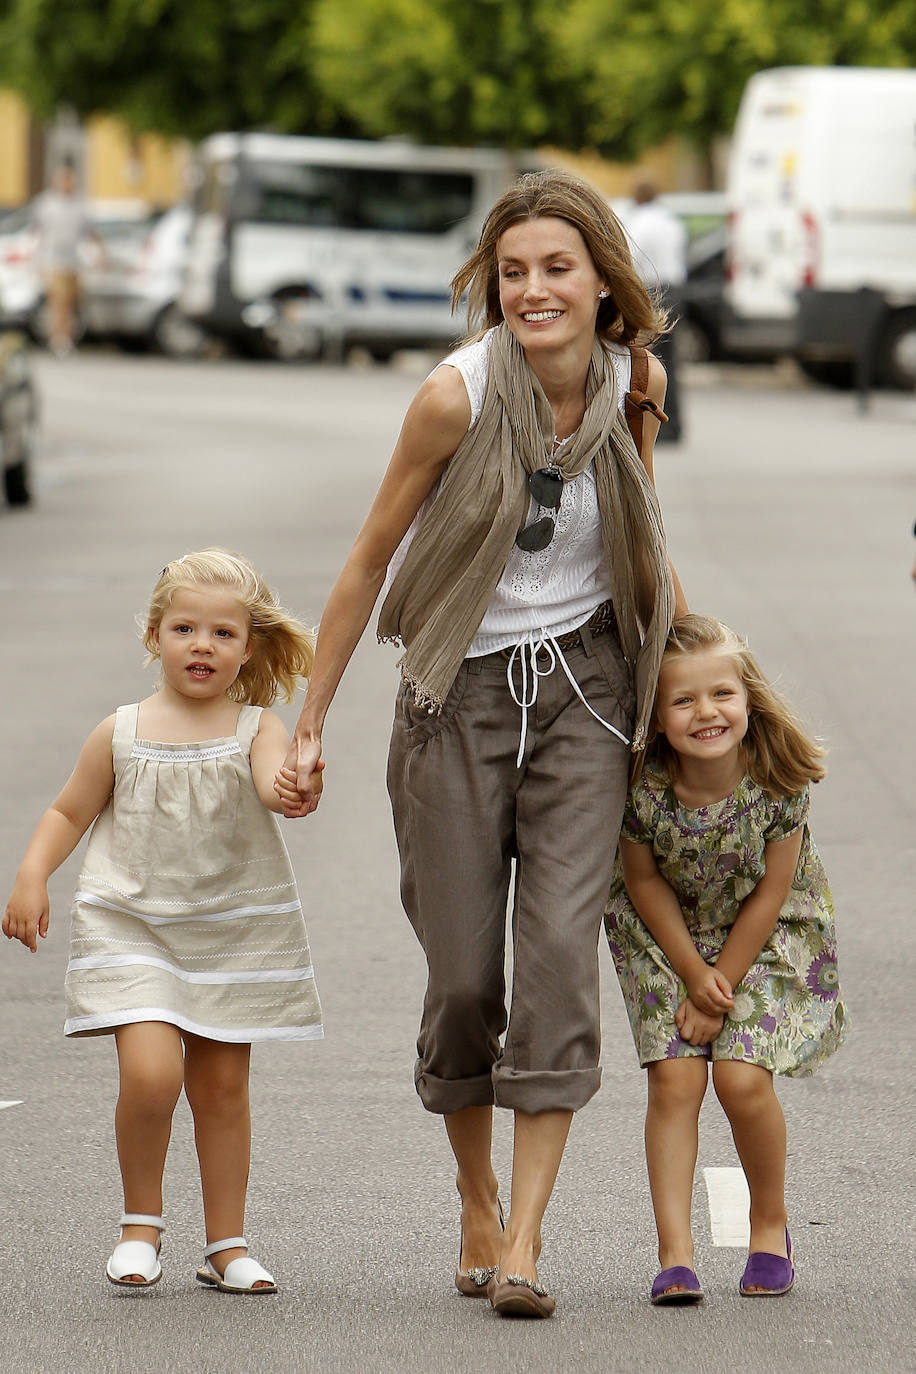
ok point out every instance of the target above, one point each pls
(470, 1134)
(675, 1095)
(216, 1083)
(151, 1065)
(538, 1149)
(759, 1129)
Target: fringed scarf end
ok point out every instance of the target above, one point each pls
(423, 697)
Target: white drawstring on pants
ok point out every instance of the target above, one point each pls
(526, 653)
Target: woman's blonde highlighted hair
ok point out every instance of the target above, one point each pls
(627, 315)
(282, 648)
(780, 755)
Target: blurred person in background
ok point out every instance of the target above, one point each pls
(527, 578)
(658, 240)
(63, 224)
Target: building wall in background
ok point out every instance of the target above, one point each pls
(145, 166)
(14, 150)
(112, 163)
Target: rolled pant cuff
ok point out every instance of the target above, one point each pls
(447, 1095)
(543, 1090)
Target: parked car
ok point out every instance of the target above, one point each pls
(822, 238)
(20, 282)
(18, 417)
(131, 294)
(301, 245)
(22, 302)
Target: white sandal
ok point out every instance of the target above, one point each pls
(136, 1256)
(241, 1274)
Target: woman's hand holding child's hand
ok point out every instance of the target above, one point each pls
(695, 1026)
(709, 991)
(27, 914)
(286, 789)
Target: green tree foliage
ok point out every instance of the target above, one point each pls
(611, 74)
(679, 66)
(177, 66)
(450, 71)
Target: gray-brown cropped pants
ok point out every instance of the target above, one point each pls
(463, 811)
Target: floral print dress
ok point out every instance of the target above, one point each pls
(788, 1014)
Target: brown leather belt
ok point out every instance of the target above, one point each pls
(599, 622)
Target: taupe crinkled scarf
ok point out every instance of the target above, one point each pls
(441, 592)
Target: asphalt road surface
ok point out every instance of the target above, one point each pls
(790, 515)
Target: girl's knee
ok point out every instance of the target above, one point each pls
(678, 1084)
(216, 1082)
(742, 1087)
(151, 1089)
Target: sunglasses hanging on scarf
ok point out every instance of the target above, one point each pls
(546, 487)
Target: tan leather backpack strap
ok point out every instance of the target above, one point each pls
(636, 402)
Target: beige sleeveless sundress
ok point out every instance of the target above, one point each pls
(186, 910)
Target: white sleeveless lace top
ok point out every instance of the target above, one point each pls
(553, 591)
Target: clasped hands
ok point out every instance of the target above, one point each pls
(701, 1015)
(298, 781)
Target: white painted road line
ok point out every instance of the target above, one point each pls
(9, 1104)
(729, 1203)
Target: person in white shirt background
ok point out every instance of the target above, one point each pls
(658, 240)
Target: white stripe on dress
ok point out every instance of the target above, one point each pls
(89, 899)
(273, 975)
(235, 1036)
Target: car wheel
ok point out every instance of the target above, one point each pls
(291, 336)
(176, 336)
(16, 485)
(692, 342)
(17, 474)
(897, 351)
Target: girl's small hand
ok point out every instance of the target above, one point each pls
(27, 915)
(694, 1026)
(302, 766)
(286, 789)
(710, 991)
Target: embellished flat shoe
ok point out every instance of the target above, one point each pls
(241, 1274)
(677, 1286)
(135, 1263)
(472, 1283)
(515, 1296)
(770, 1275)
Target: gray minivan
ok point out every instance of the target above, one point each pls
(303, 246)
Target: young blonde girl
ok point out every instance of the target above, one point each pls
(187, 936)
(720, 923)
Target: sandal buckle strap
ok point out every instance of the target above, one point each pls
(233, 1243)
(141, 1219)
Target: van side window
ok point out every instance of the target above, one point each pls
(390, 201)
(407, 202)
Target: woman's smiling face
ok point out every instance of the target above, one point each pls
(548, 284)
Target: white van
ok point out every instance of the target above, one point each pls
(304, 245)
(822, 219)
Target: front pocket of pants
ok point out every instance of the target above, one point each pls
(418, 722)
(608, 656)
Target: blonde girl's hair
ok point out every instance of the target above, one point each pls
(627, 315)
(780, 755)
(282, 648)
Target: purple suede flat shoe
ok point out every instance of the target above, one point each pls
(771, 1275)
(665, 1288)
